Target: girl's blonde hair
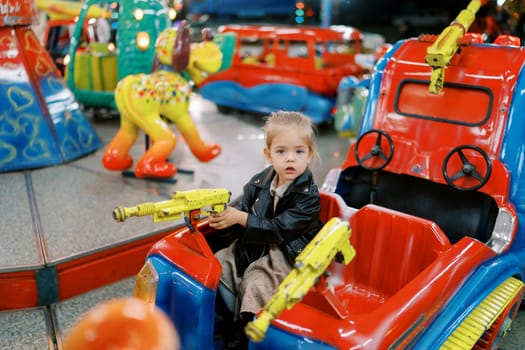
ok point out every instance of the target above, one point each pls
(277, 121)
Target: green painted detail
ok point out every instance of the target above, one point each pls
(226, 43)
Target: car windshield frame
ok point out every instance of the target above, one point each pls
(480, 100)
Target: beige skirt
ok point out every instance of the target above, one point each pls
(259, 282)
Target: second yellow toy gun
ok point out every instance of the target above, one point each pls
(192, 204)
(333, 239)
(446, 45)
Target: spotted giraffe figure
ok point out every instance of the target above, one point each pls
(143, 98)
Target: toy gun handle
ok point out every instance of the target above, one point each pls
(347, 251)
(333, 238)
(120, 214)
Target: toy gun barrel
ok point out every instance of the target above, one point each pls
(333, 238)
(441, 52)
(182, 203)
(120, 214)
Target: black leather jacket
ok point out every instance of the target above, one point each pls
(293, 224)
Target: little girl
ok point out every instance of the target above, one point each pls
(278, 215)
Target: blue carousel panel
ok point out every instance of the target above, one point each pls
(40, 121)
(75, 135)
(26, 140)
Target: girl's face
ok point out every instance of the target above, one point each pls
(289, 155)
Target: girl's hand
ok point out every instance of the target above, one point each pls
(229, 217)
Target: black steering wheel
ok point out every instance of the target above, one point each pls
(379, 153)
(468, 177)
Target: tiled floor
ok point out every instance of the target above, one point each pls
(55, 214)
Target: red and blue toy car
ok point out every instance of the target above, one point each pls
(274, 67)
(429, 212)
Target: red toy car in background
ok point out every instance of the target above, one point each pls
(268, 68)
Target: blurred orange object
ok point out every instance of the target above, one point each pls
(123, 323)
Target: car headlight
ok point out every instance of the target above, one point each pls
(143, 40)
(503, 229)
(331, 180)
(138, 14)
(147, 282)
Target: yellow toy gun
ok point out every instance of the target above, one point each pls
(445, 47)
(192, 204)
(334, 238)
